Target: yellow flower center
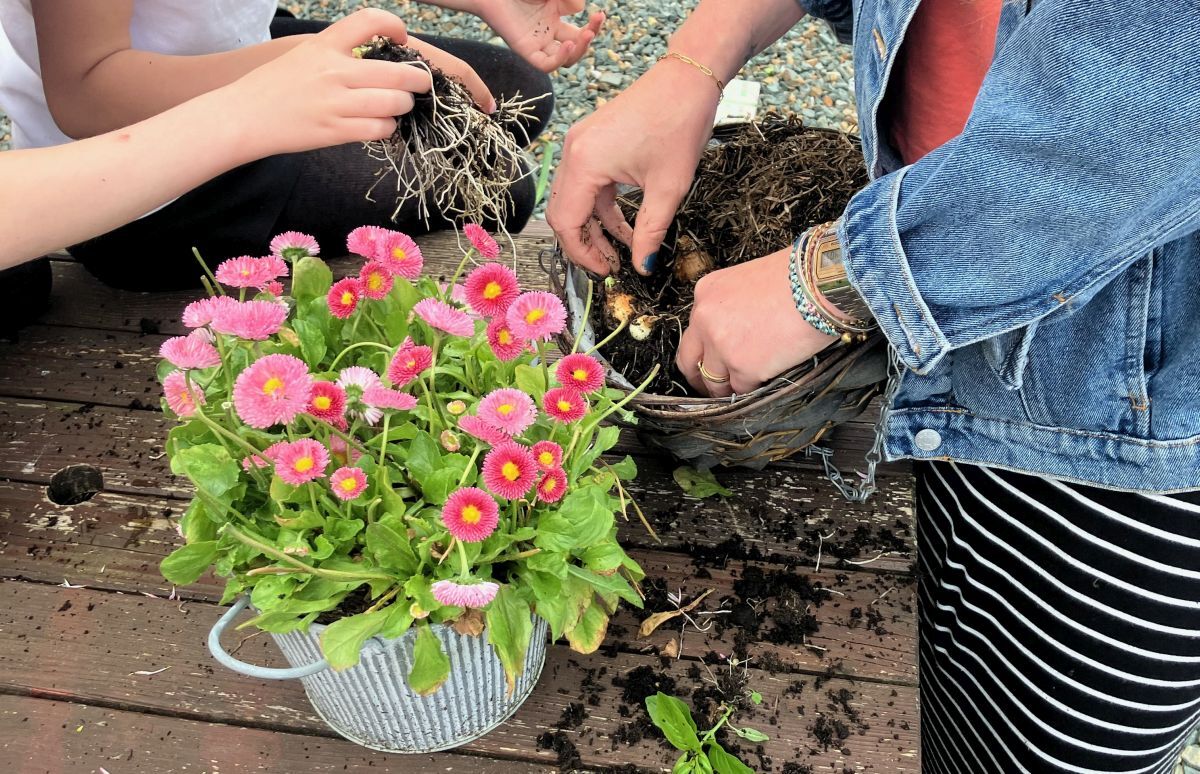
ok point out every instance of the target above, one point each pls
(304, 464)
(323, 402)
(504, 409)
(564, 405)
(349, 484)
(398, 253)
(504, 337)
(492, 290)
(533, 315)
(511, 471)
(374, 282)
(347, 298)
(579, 375)
(272, 386)
(471, 515)
(546, 458)
(549, 485)
(245, 272)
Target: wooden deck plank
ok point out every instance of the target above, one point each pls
(115, 542)
(778, 512)
(54, 737)
(50, 648)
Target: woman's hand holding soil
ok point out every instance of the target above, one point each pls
(650, 136)
(745, 328)
(319, 94)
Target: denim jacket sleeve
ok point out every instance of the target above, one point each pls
(1082, 153)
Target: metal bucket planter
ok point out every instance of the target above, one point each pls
(371, 704)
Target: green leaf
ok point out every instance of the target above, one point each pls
(587, 635)
(584, 519)
(187, 563)
(311, 278)
(752, 734)
(342, 640)
(195, 524)
(304, 520)
(531, 379)
(606, 438)
(312, 341)
(607, 584)
(391, 548)
(208, 466)
(509, 628)
(431, 666)
(437, 486)
(724, 763)
(420, 590)
(603, 557)
(398, 620)
(674, 719)
(699, 483)
(424, 456)
(563, 609)
(756, 697)
(626, 469)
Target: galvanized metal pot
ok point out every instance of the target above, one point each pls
(371, 704)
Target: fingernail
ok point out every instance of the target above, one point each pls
(492, 106)
(649, 262)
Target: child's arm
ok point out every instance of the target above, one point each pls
(314, 96)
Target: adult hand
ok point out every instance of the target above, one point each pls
(536, 30)
(650, 136)
(319, 94)
(745, 327)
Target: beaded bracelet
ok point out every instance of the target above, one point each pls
(807, 310)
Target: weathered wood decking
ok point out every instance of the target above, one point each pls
(115, 676)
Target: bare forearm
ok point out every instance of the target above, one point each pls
(58, 196)
(725, 34)
(132, 85)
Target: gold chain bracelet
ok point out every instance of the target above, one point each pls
(702, 68)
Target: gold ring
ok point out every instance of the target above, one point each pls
(710, 377)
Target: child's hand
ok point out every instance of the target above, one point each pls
(452, 65)
(319, 94)
(536, 30)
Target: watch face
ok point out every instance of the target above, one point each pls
(829, 261)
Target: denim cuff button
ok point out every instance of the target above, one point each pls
(928, 440)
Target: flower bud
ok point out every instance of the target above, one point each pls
(417, 612)
(456, 408)
(450, 441)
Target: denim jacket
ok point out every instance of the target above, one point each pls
(1037, 275)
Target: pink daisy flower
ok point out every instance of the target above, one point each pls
(409, 363)
(272, 390)
(470, 514)
(356, 380)
(251, 320)
(254, 461)
(343, 297)
(399, 254)
(271, 453)
(275, 288)
(381, 397)
(458, 294)
(348, 483)
(481, 240)
(547, 454)
(505, 344)
(301, 461)
(183, 401)
(292, 246)
(457, 594)
(200, 313)
(477, 428)
(537, 315)
(552, 485)
(509, 470)
(375, 281)
(326, 401)
(491, 289)
(507, 409)
(341, 452)
(565, 404)
(363, 240)
(245, 272)
(580, 372)
(443, 317)
(191, 351)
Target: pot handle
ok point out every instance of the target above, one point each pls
(250, 670)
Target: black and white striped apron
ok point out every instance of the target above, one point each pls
(1060, 624)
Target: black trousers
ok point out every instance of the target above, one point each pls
(321, 192)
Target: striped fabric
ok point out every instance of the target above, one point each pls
(1060, 624)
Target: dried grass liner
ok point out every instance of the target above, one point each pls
(765, 183)
(453, 159)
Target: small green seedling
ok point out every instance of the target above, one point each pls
(702, 754)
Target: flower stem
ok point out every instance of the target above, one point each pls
(275, 553)
(541, 349)
(609, 337)
(383, 438)
(208, 272)
(587, 313)
(341, 354)
(463, 565)
(470, 465)
(449, 291)
(384, 599)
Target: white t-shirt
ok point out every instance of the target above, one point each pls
(180, 27)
